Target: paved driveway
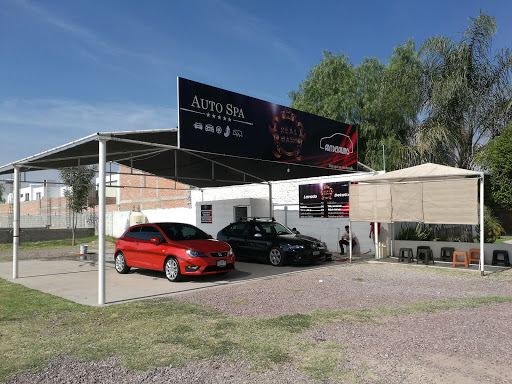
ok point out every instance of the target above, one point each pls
(77, 280)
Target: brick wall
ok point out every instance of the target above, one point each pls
(142, 191)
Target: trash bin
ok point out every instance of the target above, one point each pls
(383, 250)
(83, 249)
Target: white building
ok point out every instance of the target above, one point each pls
(34, 192)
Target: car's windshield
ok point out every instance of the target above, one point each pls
(275, 228)
(180, 232)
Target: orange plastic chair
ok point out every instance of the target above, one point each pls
(465, 262)
(472, 256)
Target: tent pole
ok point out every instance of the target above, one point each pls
(16, 222)
(376, 237)
(101, 225)
(392, 240)
(350, 240)
(482, 225)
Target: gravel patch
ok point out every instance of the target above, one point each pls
(454, 346)
(64, 370)
(351, 286)
(471, 345)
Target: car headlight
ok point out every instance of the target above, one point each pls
(230, 252)
(296, 246)
(193, 253)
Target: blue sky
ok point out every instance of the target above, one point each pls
(72, 68)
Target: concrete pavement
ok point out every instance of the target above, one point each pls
(77, 280)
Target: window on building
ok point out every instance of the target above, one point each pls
(27, 196)
(38, 196)
(240, 212)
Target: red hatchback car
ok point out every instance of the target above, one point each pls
(175, 248)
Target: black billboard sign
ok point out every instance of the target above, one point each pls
(324, 200)
(219, 121)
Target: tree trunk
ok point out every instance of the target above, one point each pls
(73, 228)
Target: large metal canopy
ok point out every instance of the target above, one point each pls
(154, 152)
(157, 152)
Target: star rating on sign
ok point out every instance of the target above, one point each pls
(214, 116)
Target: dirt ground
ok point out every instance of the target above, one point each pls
(469, 345)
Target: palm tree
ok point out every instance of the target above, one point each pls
(466, 96)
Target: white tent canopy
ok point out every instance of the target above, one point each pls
(427, 193)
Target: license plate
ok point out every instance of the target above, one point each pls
(316, 253)
(221, 263)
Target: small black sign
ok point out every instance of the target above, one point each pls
(206, 214)
(219, 121)
(324, 200)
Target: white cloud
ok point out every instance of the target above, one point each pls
(29, 127)
(246, 26)
(59, 114)
(95, 44)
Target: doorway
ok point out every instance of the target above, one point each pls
(240, 212)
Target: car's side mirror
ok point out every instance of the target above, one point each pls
(258, 235)
(210, 236)
(156, 240)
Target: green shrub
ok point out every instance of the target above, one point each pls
(492, 228)
(419, 232)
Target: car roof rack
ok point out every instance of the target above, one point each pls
(254, 218)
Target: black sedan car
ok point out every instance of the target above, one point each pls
(271, 241)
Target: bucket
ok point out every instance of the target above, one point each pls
(83, 249)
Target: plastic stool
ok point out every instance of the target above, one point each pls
(405, 253)
(465, 262)
(472, 256)
(495, 259)
(447, 253)
(425, 254)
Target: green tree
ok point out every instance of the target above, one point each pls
(496, 158)
(79, 193)
(466, 95)
(383, 100)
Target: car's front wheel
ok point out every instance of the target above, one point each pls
(276, 256)
(121, 266)
(172, 269)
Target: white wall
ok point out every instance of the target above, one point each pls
(285, 198)
(223, 212)
(116, 222)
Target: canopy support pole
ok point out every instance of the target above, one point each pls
(271, 206)
(482, 257)
(16, 222)
(101, 226)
